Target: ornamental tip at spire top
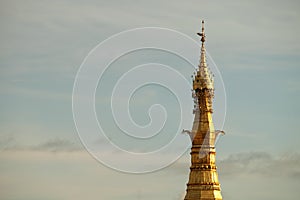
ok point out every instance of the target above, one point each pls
(202, 34)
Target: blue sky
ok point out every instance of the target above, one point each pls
(255, 45)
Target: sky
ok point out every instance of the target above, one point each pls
(254, 44)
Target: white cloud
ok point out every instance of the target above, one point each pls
(76, 175)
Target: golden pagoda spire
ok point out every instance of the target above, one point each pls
(203, 179)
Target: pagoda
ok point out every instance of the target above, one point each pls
(203, 181)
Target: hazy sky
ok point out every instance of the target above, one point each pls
(255, 45)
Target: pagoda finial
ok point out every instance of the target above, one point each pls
(202, 34)
(204, 78)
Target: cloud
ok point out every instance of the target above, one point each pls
(262, 164)
(43, 174)
(57, 145)
(6, 141)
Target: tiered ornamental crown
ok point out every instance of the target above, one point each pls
(203, 78)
